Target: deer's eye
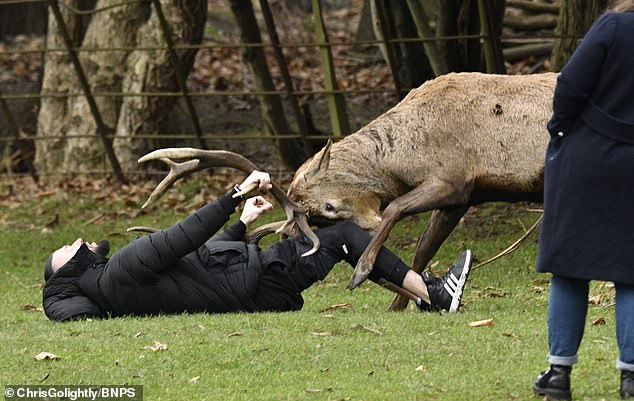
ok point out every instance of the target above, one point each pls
(329, 207)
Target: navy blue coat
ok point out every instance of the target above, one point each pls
(588, 227)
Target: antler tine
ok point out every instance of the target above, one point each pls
(177, 171)
(254, 236)
(201, 159)
(302, 222)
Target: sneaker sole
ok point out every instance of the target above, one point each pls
(552, 394)
(466, 268)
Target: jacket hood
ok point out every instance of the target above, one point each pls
(62, 296)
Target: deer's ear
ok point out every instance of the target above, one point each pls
(319, 164)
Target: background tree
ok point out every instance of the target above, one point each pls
(25, 18)
(575, 18)
(75, 147)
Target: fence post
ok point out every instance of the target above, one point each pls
(102, 129)
(180, 74)
(336, 101)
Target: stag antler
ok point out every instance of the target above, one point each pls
(200, 159)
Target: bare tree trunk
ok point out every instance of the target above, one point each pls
(291, 150)
(408, 61)
(58, 78)
(151, 71)
(123, 26)
(459, 17)
(111, 28)
(575, 18)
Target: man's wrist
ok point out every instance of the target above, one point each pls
(236, 191)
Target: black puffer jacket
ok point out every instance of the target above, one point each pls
(170, 271)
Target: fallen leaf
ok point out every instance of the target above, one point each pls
(368, 329)
(480, 323)
(600, 321)
(46, 355)
(319, 390)
(194, 379)
(33, 308)
(156, 346)
(419, 368)
(336, 307)
(236, 334)
(508, 335)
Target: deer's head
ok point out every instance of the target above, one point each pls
(329, 196)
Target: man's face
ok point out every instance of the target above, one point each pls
(65, 253)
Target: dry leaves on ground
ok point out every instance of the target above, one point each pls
(482, 323)
(156, 346)
(46, 356)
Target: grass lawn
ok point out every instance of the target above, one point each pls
(357, 352)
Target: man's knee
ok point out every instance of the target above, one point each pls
(350, 227)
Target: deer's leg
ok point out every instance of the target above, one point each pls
(437, 194)
(440, 225)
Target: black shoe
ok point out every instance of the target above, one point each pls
(445, 292)
(627, 384)
(554, 383)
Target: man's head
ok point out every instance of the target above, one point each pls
(62, 255)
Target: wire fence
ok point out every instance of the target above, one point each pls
(19, 138)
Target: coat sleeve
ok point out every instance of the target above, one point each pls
(577, 80)
(145, 257)
(234, 232)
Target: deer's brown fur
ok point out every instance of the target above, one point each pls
(458, 140)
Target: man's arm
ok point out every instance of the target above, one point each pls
(253, 209)
(146, 256)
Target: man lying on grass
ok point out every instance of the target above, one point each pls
(182, 270)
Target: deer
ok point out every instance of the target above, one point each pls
(198, 159)
(456, 141)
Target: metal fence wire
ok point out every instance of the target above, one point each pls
(18, 138)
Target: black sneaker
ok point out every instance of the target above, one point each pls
(445, 292)
(554, 383)
(627, 384)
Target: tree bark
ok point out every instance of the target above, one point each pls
(152, 71)
(291, 151)
(531, 22)
(58, 77)
(127, 25)
(575, 18)
(457, 18)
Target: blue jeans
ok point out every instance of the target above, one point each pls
(567, 309)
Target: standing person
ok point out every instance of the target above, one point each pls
(181, 269)
(588, 227)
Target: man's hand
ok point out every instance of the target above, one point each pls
(254, 208)
(260, 178)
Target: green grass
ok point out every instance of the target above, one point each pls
(361, 353)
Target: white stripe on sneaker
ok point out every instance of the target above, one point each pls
(460, 283)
